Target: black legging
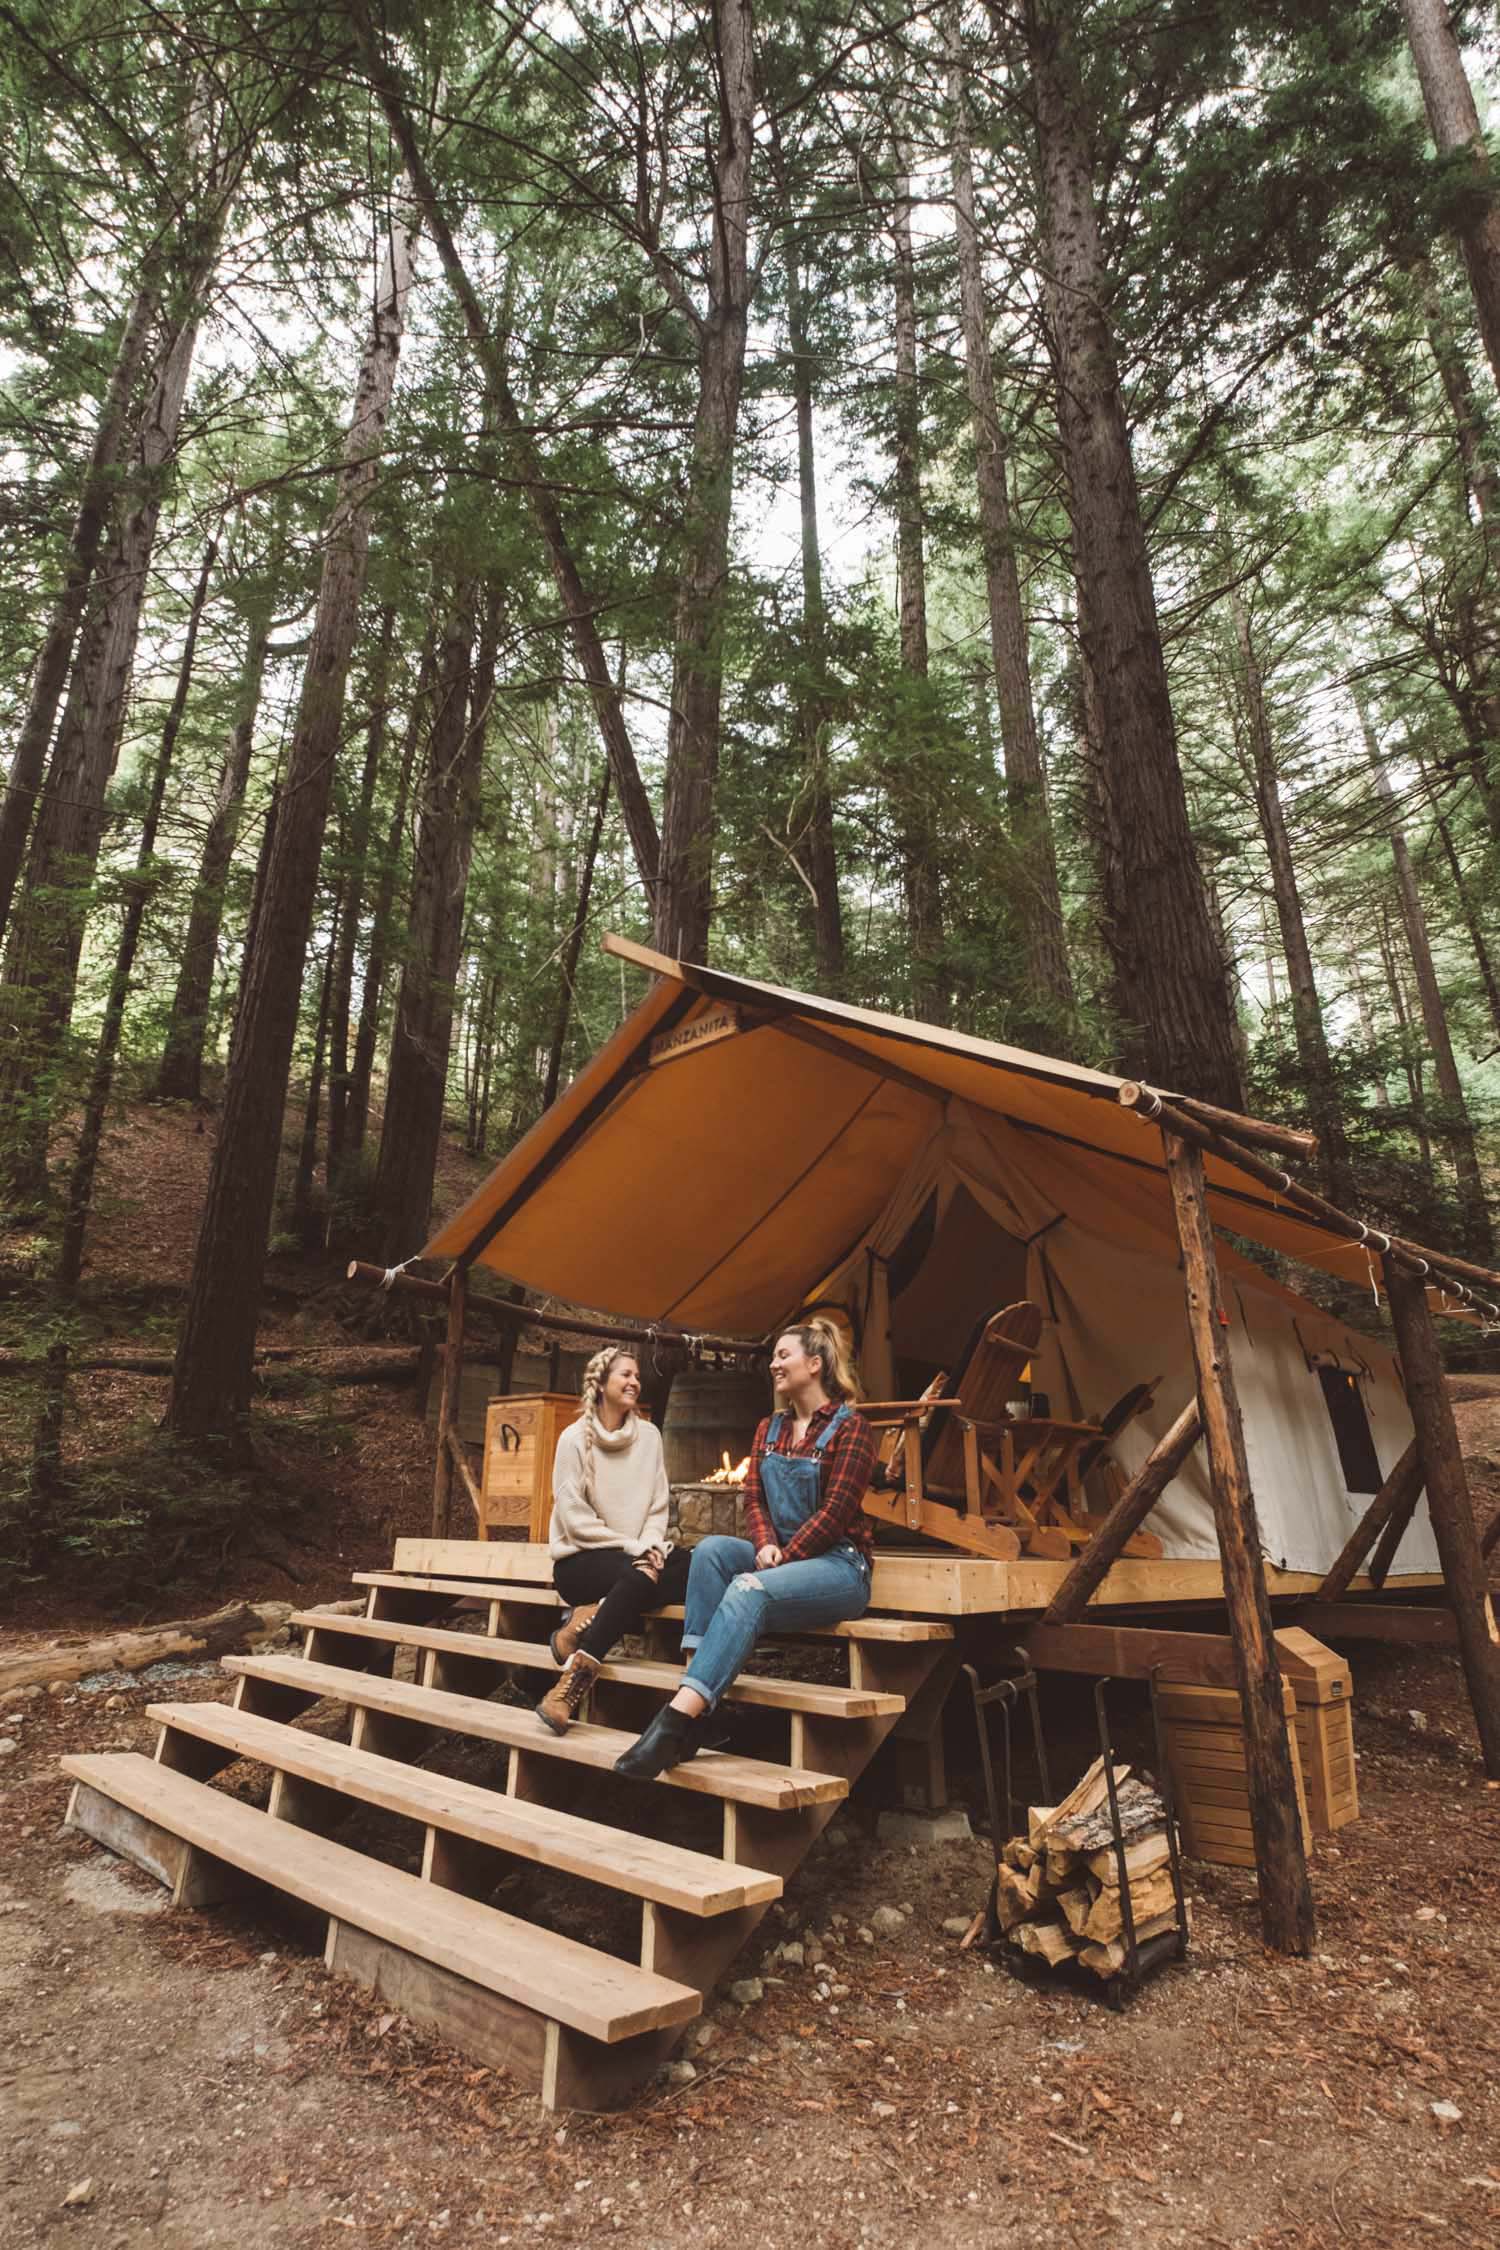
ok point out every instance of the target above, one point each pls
(609, 1576)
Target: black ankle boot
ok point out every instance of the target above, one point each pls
(670, 1740)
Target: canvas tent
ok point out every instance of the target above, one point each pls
(737, 1151)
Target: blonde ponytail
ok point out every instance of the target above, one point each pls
(595, 1376)
(826, 1343)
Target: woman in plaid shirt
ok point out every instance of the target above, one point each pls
(807, 1559)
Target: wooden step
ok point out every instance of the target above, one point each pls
(690, 1881)
(905, 1583)
(528, 1593)
(749, 1688)
(714, 1773)
(555, 1977)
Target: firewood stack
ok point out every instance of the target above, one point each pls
(1057, 1892)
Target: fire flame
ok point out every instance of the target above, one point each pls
(724, 1474)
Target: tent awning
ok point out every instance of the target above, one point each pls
(734, 1140)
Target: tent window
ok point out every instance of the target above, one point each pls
(1351, 1430)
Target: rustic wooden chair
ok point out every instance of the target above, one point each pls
(976, 1476)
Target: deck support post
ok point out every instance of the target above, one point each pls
(453, 1369)
(1448, 1502)
(1392, 1504)
(1125, 1518)
(1286, 1904)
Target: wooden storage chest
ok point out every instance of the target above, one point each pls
(1205, 1745)
(520, 1438)
(1324, 1687)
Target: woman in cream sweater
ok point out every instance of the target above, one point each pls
(611, 1560)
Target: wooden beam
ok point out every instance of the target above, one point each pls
(1125, 1517)
(1448, 1502)
(1289, 1139)
(1286, 1904)
(1392, 1536)
(465, 1473)
(1415, 1257)
(1402, 1485)
(1380, 1621)
(512, 1314)
(453, 1368)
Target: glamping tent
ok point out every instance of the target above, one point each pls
(737, 1152)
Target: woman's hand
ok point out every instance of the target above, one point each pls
(768, 1558)
(651, 1562)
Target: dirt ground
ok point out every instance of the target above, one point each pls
(196, 2079)
(170, 2081)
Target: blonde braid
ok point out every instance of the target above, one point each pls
(595, 1376)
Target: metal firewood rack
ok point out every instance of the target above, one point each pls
(1142, 1956)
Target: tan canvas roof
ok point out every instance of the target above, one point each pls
(711, 1184)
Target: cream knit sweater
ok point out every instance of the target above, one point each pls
(629, 1508)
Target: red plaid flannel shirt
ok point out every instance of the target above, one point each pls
(846, 1466)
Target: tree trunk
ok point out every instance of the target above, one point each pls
(1467, 909)
(211, 1383)
(1458, 1129)
(307, 1148)
(568, 968)
(1475, 595)
(1168, 969)
(47, 927)
(353, 895)
(814, 713)
(50, 672)
(96, 1103)
(910, 778)
(684, 895)
(1455, 127)
(417, 1085)
(180, 1076)
(1048, 979)
(1307, 1010)
(1382, 1096)
(635, 805)
(357, 1115)
(1411, 1061)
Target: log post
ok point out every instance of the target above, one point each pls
(1125, 1517)
(1286, 1906)
(453, 1369)
(1392, 1536)
(1396, 1496)
(1448, 1502)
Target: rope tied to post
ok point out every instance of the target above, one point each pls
(388, 1278)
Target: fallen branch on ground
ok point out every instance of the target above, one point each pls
(226, 1632)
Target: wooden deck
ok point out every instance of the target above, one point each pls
(918, 1584)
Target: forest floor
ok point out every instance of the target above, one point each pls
(177, 2081)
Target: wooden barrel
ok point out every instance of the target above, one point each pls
(709, 1415)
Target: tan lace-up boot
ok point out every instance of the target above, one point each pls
(573, 1627)
(559, 1706)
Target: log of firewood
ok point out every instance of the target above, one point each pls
(1148, 1898)
(1015, 1895)
(1076, 1907)
(1109, 1960)
(1049, 1940)
(1141, 1858)
(228, 1631)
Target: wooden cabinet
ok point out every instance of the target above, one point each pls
(1203, 1732)
(520, 1438)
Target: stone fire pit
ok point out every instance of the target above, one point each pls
(696, 1510)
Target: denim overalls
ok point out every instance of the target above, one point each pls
(730, 1603)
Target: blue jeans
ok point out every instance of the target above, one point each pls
(730, 1604)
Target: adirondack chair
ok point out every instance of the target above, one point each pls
(962, 1468)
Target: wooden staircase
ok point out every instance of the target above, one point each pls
(584, 2025)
